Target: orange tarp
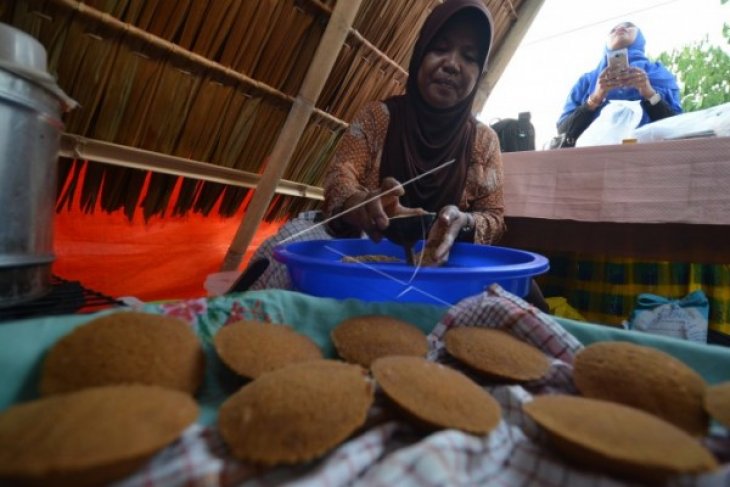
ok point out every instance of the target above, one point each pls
(164, 258)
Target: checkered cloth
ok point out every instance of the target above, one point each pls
(604, 288)
(303, 227)
(393, 453)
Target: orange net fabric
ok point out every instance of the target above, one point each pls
(167, 258)
(164, 258)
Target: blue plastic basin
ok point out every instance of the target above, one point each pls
(315, 268)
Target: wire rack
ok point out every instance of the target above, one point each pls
(64, 297)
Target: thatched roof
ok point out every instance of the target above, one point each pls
(206, 87)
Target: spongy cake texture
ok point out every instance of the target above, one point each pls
(90, 437)
(495, 353)
(251, 348)
(362, 339)
(437, 395)
(717, 402)
(296, 413)
(645, 378)
(124, 348)
(617, 439)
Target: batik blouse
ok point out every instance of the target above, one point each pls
(356, 167)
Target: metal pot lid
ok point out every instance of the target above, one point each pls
(21, 54)
(22, 49)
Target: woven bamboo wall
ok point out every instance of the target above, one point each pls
(212, 81)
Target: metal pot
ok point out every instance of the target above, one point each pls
(30, 129)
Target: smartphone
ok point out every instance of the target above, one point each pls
(618, 60)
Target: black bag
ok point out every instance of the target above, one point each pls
(515, 135)
(561, 141)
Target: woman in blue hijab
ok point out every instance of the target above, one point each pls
(643, 80)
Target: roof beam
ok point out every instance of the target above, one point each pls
(319, 70)
(498, 63)
(78, 147)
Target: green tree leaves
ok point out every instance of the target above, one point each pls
(703, 72)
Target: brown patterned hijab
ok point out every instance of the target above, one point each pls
(421, 137)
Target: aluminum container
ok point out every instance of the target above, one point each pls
(30, 129)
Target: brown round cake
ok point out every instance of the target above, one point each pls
(437, 395)
(496, 354)
(362, 339)
(296, 413)
(717, 402)
(90, 437)
(644, 378)
(125, 348)
(617, 439)
(252, 348)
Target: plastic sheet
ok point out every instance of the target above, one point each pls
(615, 123)
(714, 121)
(166, 258)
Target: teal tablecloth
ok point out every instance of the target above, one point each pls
(24, 343)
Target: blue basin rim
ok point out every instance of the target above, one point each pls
(534, 263)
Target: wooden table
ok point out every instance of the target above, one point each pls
(664, 200)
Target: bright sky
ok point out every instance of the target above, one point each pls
(567, 38)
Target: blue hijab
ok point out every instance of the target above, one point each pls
(661, 80)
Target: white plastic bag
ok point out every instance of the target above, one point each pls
(685, 318)
(713, 121)
(615, 123)
(219, 283)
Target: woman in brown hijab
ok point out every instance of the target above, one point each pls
(405, 136)
(398, 140)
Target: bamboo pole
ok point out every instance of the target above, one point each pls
(526, 15)
(329, 47)
(360, 38)
(82, 148)
(380, 54)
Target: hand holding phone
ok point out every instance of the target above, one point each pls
(618, 61)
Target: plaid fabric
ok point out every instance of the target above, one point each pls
(303, 227)
(604, 289)
(392, 453)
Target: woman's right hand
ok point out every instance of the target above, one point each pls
(371, 212)
(443, 233)
(604, 84)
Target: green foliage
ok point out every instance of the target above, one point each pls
(703, 72)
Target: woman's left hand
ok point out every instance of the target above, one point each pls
(637, 78)
(443, 234)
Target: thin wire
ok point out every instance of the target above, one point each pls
(598, 22)
(324, 222)
(418, 264)
(408, 287)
